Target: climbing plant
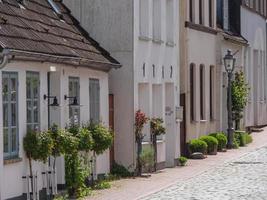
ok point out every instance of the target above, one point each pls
(240, 91)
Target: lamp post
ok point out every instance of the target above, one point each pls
(229, 64)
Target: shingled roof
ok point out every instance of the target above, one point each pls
(34, 30)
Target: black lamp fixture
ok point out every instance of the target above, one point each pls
(55, 101)
(229, 64)
(75, 101)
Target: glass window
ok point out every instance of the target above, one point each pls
(202, 92)
(170, 20)
(94, 92)
(144, 17)
(10, 113)
(157, 19)
(192, 92)
(212, 82)
(74, 91)
(201, 16)
(33, 100)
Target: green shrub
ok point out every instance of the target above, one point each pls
(197, 145)
(182, 161)
(212, 143)
(235, 144)
(249, 138)
(222, 140)
(120, 171)
(101, 185)
(147, 158)
(240, 138)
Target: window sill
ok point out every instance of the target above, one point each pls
(144, 38)
(10, 161)
(203, 121)
(170, 44)
(157, 41)
(202, 28)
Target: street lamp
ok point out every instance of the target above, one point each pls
(229, 64)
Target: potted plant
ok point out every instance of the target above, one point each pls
(182, 161)
(140, 121)
(157, 128)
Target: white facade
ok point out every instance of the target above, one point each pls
(11, 182)
(253, 28)
(143, 36)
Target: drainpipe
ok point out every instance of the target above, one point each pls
(4, 58)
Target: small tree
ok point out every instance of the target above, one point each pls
(140, 121)
(37, 146)
(157, 128)
(240, 91)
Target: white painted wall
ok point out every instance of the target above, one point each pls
(115, 24)
(253, 28)
(11, 175)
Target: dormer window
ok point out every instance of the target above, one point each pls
(55, 8)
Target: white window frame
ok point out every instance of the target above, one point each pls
(8, 100)
(34, 101)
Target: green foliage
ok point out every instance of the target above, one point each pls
(222, 140)
(147, 158)
(197, 145)
(120, 171)
(102, 137)
(235, 144)
(212, 143)
(249, 138)
(182, 161)
(101, 185)
(38, 146)
(86, 142)
(75, 175)
(157, 127)
(240, 91)
(240, 138)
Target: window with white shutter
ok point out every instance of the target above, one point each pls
(94, 92)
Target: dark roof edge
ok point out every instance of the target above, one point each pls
(60, 59)
(87, 36)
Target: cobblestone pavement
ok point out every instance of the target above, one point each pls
(244, 178)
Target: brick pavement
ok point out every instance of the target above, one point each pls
(131, 189)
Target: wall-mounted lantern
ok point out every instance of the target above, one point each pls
(74, 103)
(55, 101)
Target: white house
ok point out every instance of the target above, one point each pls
(253, 27)
(199, 70)
(229, 37)
(143, 36)
(45, 53)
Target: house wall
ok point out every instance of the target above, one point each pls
(161, 56)
(111, 24)
(11, 174)
(115, 24)
(200, 46)
(253, 28)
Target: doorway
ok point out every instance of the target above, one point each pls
(183, 127)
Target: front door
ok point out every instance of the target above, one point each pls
(183, 127)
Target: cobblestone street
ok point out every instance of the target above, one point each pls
(244, 178)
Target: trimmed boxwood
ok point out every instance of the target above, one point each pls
(212, 143)
(240, 138)
(222, 140)
(197, 145)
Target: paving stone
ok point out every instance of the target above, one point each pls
(242, 179)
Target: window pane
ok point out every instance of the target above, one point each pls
(14, 139)
(5, 115)
(35, 112)
(28, 88)
(74, 91)
(13, 114)
(94, 100)
(5, 89)
(13, 88)
(5, 140)
(29, 112)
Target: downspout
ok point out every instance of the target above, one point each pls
(4, 58)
